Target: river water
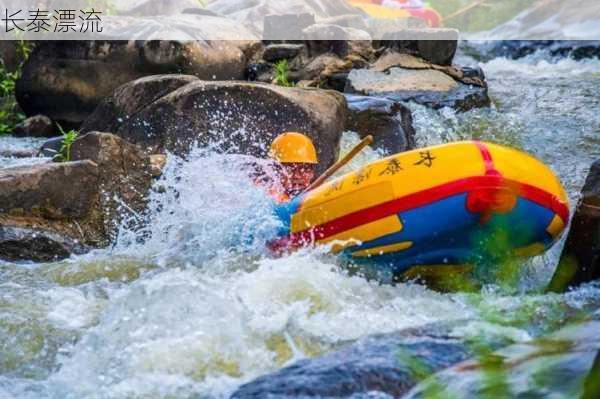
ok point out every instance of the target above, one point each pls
(190, 313)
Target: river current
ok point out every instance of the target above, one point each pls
(188, 312)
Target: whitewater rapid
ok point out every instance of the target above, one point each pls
(180, 309)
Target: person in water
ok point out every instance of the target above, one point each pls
(296, 158)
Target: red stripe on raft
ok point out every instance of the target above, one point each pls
(416, 200)
(488, 161)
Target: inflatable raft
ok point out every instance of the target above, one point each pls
(376, 9)
(452, 204)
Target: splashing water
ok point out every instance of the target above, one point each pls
(193, 305)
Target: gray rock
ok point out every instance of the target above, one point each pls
(437, 46)
(8, 54)
(284, 51)
(580, 260)
(18, 153)
(236, 116)
(389, 364)
(322, 38)
(424, 86)
(389, 122)
(125, 176)
(82, 201)
(556, 366)
(516, 49)
(35, 244)
(51, 190)
(35, 126)
(66, 80)
(51, 147)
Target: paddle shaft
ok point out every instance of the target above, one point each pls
(342, 162)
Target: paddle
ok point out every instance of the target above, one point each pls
(342, 162)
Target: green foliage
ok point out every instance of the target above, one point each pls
(10, 114)
(9, 109)
(69, 137)
(282, 71)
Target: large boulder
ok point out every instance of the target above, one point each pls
(389, 122)
(437, 46)
(51, 190)
(580, 260)
(562, 365)
(51, 210)
(404, 77)
(18, 243)
(173, 113)
(66, 80)
(9, 55)
(387, 364)
(35, 126)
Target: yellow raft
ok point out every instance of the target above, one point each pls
(449, 204)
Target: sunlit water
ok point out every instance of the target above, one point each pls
(197, 307)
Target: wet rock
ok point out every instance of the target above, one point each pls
(35, 244)
(323, 38)
(18, 153)
(515, 49)
(157, 164)
(51, 147)
(8, 54)
(389, 364)
(437, 46)
(125, 176)
(429, 87)
(83, 201)
(556, 366)
(325, 65)
(35, 126)
(389, 122)
(580, 260)
(66, 80)
(285, 51)
(51, 190)
(240, 117)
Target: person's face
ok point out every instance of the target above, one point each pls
(297, 176)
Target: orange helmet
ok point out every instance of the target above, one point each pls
(292, 147)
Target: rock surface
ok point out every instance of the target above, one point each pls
(516, 49)
(66, 80)
(389, 364)
(429, 87)
(172, 113)
(580, 260)
(35, 244)
(284, 51)
(51, 210)
(437, 46)
(389, 122)
(556, 366)
(51, 190)
(35, 126)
